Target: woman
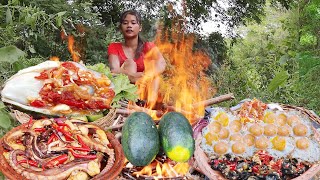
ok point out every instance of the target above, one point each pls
(141, 61)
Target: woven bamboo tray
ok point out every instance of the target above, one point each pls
(112, 173)
(200, 161)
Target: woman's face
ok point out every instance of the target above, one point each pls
(130, 26)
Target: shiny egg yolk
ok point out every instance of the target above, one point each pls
(224, 133)
(284, 130)
(294, 119)
(214, 127)
(223, 118)
(262, 143)
(249, 139)
(238, 148)
(210, 138)
(235, 126)
(270, 130)
(278, 143)
(236, 137)
(300, 129)
(281, 119)
(269, 117)
(302, 143)
(256, 129)
(220, 148)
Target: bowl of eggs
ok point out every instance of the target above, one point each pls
(280, 143)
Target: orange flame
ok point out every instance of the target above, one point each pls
(167, 169)
(184, 82)
(71, 47)
(54, 58)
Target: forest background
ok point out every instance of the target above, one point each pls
(271, 50)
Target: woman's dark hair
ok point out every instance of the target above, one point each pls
(139, 21)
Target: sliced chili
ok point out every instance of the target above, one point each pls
(82, 142)
(56, 161)
(39, 129)
(29, 162)
(79, 148)
(52, 138)
(84, 156)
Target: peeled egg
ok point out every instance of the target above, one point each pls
(300, 129)
(214, 127)
(281, 119)
(269, 117)
(235, 126)
(220, 148)
(223, 118)
(262, 143)
(249, 139)
(224, 133)
(302, 143)
(238, 148)
(270, 130)
(256, 129)
(284, 130)
(211, 137)
(291, 120)
(236, 137)
(279, 143)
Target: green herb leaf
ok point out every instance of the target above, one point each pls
(279, 79)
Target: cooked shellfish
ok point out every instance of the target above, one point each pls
(58, 88)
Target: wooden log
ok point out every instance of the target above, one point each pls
(214, 100)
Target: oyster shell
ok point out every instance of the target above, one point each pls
(23, 88)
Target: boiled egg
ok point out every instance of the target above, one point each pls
(292, 120)
(236, 137)
(238, 148)
(302, 143)
(284, 130)
(281, 119)
(223, 118)
(300, 129)
(224, 133)
(220, 147)
(269, 117)
(262, 143)
(214, 127)
(278, 143)
(248, 139)
(210, 137)
(256, 129)
(235, 126)
(270, 130)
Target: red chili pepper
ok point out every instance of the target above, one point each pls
(29, 162)
(39, 129)
(85, 156)
(233, 166)
(52, 138)
(63, 124)
(66, 134)
(38, 103)
(56, 161)
(255, 169)
(18, 141)
(82, 142)
(79, 148)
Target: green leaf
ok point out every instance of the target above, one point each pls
(31, 49)
(10, 54)
(5, 121)
(279, 79)
(283, 59)
(8, 16)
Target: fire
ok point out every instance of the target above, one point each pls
(184, 83)
(167, 169)
(71, 47)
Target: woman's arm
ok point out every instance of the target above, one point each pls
(129, 68)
